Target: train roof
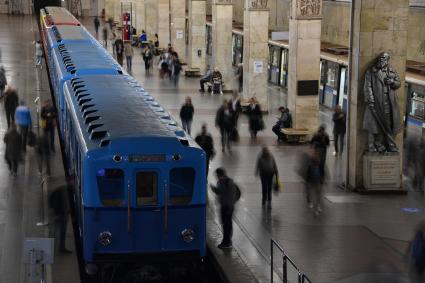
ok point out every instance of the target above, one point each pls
(75, 58)
(59, 16)
(69, 34)
(116, 107)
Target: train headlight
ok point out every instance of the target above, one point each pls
(105, 238)
(188, 235)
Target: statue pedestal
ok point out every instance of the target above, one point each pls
(382, 172)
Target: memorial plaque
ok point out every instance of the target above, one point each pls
(308, 9)
(310, 87)
(381, 172)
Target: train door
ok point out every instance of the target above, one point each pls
(274, 64)
(146, 215)
(284, 68)
(342, 91)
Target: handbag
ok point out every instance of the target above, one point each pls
(277, 184)
(43, 124)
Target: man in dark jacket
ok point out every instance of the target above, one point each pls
(224, 121)
(339, 119)
(58, 201)
(3, 80)
(206, 142)
(186, 115)
(284, 121)
(13, 153)
(320, 143)
(119, 49)
(48, 116)
(11, 101)
(43, 152)
(226, 192)
(267, 169)
(96, 25)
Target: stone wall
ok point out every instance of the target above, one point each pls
(416, 35)
(336, 22)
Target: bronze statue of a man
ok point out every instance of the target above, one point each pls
(382, 115)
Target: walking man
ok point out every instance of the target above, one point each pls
(23, 121)
(13, 153)
(226, 192)
(206, 142)
(48, 118)
(186, 115)
(339, 119)
(267, 169)
(96, 25)
(10, 104)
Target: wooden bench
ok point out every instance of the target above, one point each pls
(192, 72)
(295, 135)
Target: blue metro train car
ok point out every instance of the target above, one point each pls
(140, 181)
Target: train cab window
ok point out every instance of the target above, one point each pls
(146, 188)
(181, 185)
(111, 186)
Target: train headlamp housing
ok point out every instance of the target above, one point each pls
(105, 238)
(188, 235)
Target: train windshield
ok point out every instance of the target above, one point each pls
(146, 188)
(111, 186)
(181, 185)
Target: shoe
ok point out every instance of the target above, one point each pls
(224, 246)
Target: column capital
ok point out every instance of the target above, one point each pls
(256, 5)
(306, 9)
(222, 2)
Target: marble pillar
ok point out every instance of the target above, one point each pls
(379, 26)
(222, 15)
(304, 64)
(255, 53)
(197, 35)
(163, 23)
(151, 18)
(178, 27)
(140, 16)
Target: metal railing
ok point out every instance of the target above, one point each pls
(301, 277)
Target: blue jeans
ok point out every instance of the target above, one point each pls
(187, 125)
(128, 60)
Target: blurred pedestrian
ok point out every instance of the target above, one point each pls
(43, 153)
(58, 201)
(339, 119)
(38, 53)
(13, 152)
(129, 53)
(419, 166)
(3, 80)
(163, 67)
(224, 122)
(206, 142)
(111, 23)
(313, 183)
(147, 57)
(11, 101)
(105, 36)
(320, 143)
(284, 121)
(266, 168)
(205, 79)
(235, 108)
(156, 41)
(186, 115)
(119, 50)
(177, 67)
(255, 117)
(48, 121)
(416, 253)
(226, 191)
(24, 122)
(96, 23)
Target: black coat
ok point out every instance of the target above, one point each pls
(11, 101)
(224, 120)
(226, 192)
(205, 141)
(339, 123)
(13, 141)
(186, 112)
(255, 118)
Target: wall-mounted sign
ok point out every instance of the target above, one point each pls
(179, 34)
(258, 67)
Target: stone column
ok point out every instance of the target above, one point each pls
(222, 15)
(197, 35)
(178, 27)
(151, 18)
(140, 16)
(255, 52)
(304, 63)
(163, 23)
(378, 26)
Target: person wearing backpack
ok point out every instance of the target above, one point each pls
(228, 194)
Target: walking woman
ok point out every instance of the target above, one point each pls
(267, 169)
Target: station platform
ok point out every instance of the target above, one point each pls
(356, 238)
(24, 200)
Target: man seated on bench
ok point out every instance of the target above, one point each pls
(284, 121)
(205, 79)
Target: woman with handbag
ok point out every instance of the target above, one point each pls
(267, 169)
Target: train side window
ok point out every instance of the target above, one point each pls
(146, 188)
(181, 185)
(111, 186)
